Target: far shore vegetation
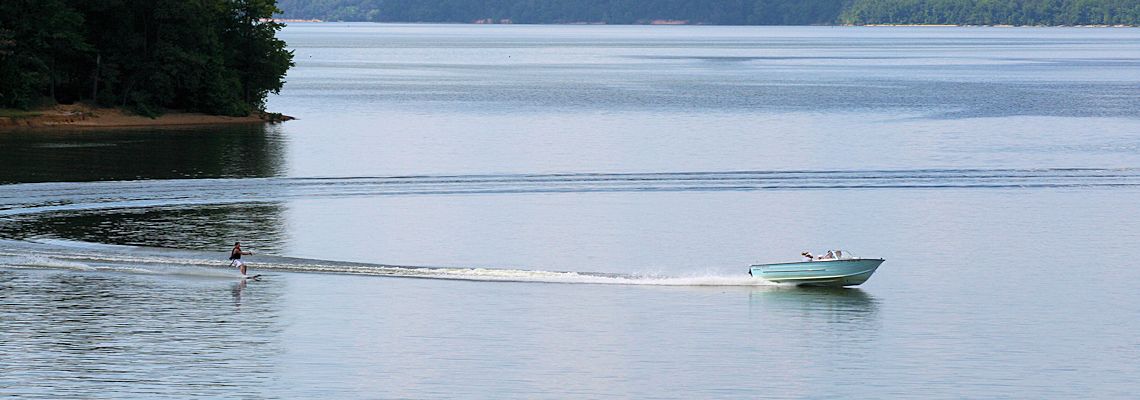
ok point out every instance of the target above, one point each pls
(14, 113)
(218, 57)
(725, 12)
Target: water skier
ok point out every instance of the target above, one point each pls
(235, 257)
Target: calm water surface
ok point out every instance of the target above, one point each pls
(569, 211)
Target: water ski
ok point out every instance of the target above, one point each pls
(251, 276)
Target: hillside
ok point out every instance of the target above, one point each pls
(719, 12)
(724, 12)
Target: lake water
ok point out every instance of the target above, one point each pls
(470, 211)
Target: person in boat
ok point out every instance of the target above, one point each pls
(831, 255)
(235, 257)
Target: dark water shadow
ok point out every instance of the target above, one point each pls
(235, 151)
(257, 226)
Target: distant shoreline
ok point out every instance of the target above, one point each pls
(988, 26)
(85, 117)
(688, 23)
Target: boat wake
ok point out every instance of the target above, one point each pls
(37, 198)
(82, 256)
(29, 204)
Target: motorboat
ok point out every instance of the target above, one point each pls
(836, 268)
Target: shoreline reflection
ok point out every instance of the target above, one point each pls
(232, 151)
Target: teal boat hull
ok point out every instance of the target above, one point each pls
(846, 272)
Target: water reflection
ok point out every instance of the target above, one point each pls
(806, 333)
(258, 226)
(240, 151)
(199, 152)
(80, 335)
(237, 289)
(824, 305)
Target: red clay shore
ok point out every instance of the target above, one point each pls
(86, 117)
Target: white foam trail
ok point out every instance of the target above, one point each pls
(78, 244)
(38, 261)
(710, 280)
(518, 275)
(65, 254)
(211, 268)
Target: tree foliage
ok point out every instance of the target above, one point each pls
(994, 12)
(723, 12)
(727, 12)
(212, 56)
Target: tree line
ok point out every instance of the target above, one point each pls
(211, 56)
(726, 12)
(720, 12)
(993, 12)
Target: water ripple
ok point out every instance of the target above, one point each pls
(34, 198)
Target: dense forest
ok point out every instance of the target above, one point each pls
(726, 12)
(721, 12)
(211, 56)
(993, 12)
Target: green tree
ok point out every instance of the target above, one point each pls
(258, 57)
(213, 56)
(36, 60)
(992, 12)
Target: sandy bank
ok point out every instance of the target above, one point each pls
(86, 117)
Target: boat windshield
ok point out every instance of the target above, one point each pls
(836, 255)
